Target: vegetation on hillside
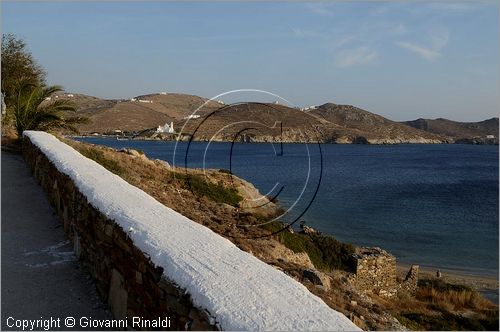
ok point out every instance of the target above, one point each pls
(99, 157)
(213, 191)
(325, 252)
(439, 305)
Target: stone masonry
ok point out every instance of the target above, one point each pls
(375, 272)
(130, 283)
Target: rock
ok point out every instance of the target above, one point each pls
(131, 152)
(354, 303)
(309, 230)
(162, 163)
(274, 251)
(317, 278)
(359, 321)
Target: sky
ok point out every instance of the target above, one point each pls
(400, 59)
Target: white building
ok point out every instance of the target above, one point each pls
(70, 95)
(166, 128)
(145, 101)
(192, 116)
(309, 108)
(490, 136)
(133, 99)
(163, 93)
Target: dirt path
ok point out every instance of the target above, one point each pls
(40, 275)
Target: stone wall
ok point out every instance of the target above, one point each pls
(125, 278)
(375, 272)
(410, 283)
(150, 261)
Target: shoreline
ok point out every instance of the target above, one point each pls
(487, 285)
(144, 139)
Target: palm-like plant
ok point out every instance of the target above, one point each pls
(34, 110)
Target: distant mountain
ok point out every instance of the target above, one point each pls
(358, 125)
(465, 132)
(263, 122)
(138, 113)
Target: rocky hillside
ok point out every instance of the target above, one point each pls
(458, 130)
(331, 123)
(262, 122)
(135, 114)
(358, 125)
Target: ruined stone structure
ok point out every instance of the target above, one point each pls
(375, 272)
(410, 283)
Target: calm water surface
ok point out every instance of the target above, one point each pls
(434, 205)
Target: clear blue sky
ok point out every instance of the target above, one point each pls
(402, 60)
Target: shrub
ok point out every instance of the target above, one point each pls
(325, 252)
(215, 192)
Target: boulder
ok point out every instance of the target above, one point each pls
(131, 152)
(317, 278)
(309, 230)
(162, 163)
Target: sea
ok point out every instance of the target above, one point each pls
(432, 205)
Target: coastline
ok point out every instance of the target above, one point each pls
(374, 142)
(487, 285)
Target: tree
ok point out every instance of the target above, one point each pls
(18, 67)
(35, 110)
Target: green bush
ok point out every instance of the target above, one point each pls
(215, 192)
(325, 252)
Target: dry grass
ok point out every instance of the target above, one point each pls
(438, 305)
(453, 297)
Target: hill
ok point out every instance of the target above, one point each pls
(357, 124)
(262, 122)
(458, 130)
(135, 114)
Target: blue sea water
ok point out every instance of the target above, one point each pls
(433, 205)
